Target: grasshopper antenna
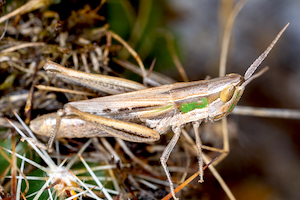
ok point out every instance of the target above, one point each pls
(257, 62)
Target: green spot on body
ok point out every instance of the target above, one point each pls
(187, 107)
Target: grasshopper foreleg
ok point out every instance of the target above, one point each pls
(199, 147)
(165, 156)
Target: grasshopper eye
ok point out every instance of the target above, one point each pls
(227, 93)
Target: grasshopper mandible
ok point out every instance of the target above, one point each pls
(143, 115)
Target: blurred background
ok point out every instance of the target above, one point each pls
(263, 162)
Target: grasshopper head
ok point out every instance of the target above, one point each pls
(224, 93)
(227, 94)
(229, 89)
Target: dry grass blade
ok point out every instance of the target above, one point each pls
(131, 51)
(222, 71)
(21, 174)
(22, 46)
(171, 47)
(5, 123)
(55, 89)
(42, 153)
(20, 181)
(79, 194)
(28, 7)
(82, 149)
(267, 112)
(155, 79)
(141, 21)
(227, 34)
(107, 195)
(135, 159)
(13, 169)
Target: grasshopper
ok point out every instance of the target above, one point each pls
(143, 115)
